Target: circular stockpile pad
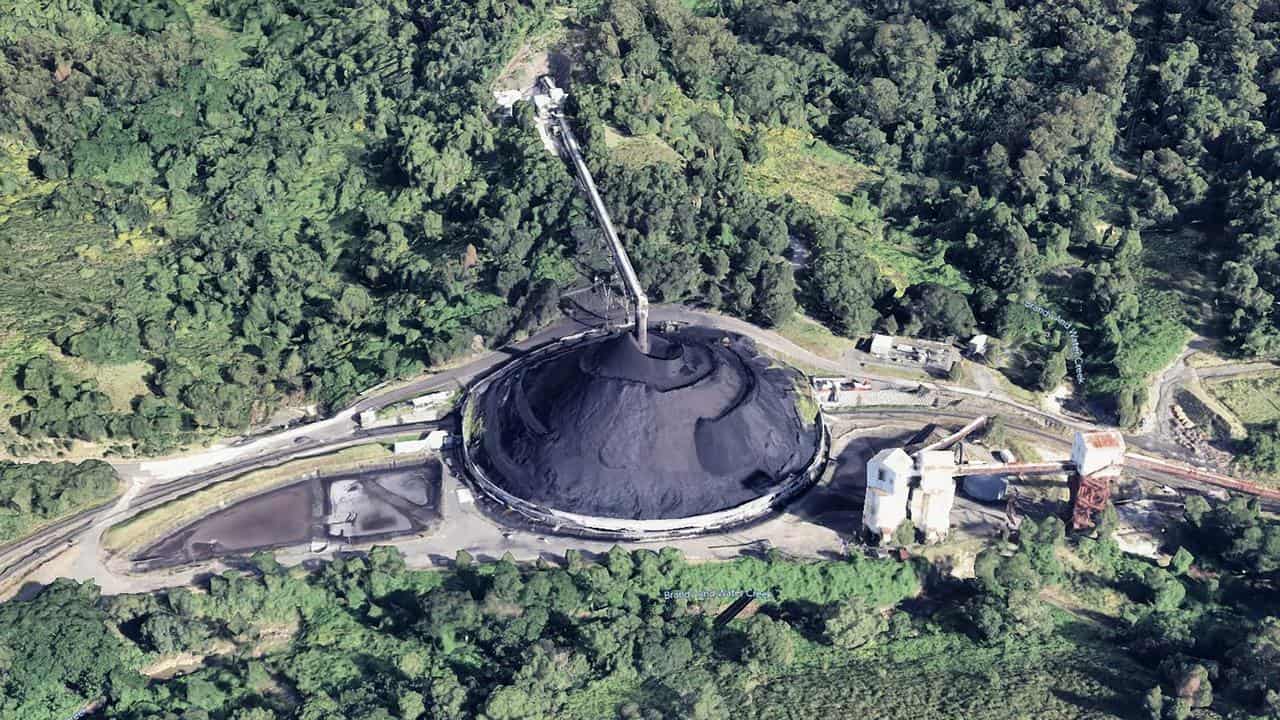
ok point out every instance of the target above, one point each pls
(701, 423)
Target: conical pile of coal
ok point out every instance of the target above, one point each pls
(703, 422)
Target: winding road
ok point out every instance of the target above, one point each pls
(150, 483)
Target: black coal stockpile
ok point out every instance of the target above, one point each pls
(701, 423)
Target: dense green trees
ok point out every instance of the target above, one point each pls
(328, 201)
(34, 493)
(996, 133)
(314, 176)
(1008, 606)
(1234, 533)
(1261, 450)
(854, 623)
(363, 637)
(632, 636)
(63, 407)
(58, 654)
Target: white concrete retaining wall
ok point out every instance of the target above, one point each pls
(624, 528)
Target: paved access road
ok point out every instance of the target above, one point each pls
(152, 482)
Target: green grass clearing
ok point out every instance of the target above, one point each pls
(812, 172)
(798, 165)
(814, 337)
(56, 268)
(121, 383)
(640, 150)
(1254, 400)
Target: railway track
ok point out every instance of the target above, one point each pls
(176, 488)
(53, 538)
(22, 554)
(1137, 465)
(47, 540)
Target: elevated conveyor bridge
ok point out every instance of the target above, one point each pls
(548, 103)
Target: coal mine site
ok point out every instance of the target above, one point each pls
(701, 423)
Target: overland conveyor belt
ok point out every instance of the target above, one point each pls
(620, 259)
(1138, 465)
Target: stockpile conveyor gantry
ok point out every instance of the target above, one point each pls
(549, 110)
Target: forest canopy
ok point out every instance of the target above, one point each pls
(32, 493)
(298, 187)
(636, 635)
(272, 202)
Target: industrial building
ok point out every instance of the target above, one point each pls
(923, 487)
(888, 489)
(644, 432)
(932, 498)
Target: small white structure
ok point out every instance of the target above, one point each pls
(1098, 454)
(888, 487)
(437, 439)
(838, 391)
(881, 345)
(931, 501)
(465, 497)
(430, 399)
(368, 418)
(410, 447)
(978, 345)
(548, 100)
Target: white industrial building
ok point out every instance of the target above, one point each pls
(924, 487)
(1098, 453)
(888, 488)
(932, 499)
(881, 345)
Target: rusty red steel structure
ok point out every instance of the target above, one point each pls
(1089, 494)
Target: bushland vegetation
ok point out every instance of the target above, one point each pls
(33, 493)
(1049, 626)
(1035, 148)
(265, 203)
(313, 199)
